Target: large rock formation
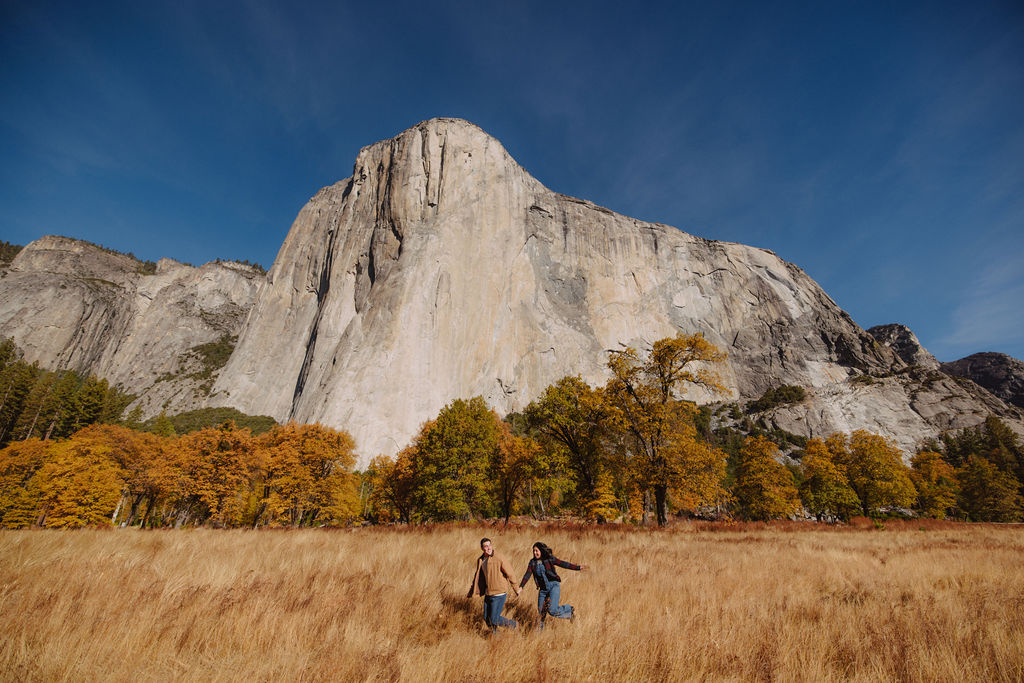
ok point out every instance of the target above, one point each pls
(1001, 374)
(70, 304)
(442, 269)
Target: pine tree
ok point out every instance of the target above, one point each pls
(16, 382)
(988, 494)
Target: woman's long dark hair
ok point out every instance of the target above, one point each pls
(545, 552)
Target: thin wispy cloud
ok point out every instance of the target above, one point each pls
(990, 314)
(877, 147)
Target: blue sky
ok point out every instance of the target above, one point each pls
(879, 146)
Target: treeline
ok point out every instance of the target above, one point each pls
(109, 475)
(36, 403)
(632, 450)
(8, 251)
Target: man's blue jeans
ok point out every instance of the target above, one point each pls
(493, 605)
(552, 593)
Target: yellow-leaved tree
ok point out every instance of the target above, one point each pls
(875, 470)
(936, 484)
(393, 486)
(80, 485)
(764, 488)
(825, 491)
(19, 490)
(516, 461)
(644, 402)
(569, 420)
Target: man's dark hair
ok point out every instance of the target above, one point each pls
(483, 540)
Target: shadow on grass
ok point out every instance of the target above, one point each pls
(458, 611)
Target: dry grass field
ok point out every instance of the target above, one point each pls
(793, 602)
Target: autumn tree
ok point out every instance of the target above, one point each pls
(643, 397)
(569, 420)
(19, 491)
(516, 461)
(764, 488)
(875, 471)
(216, 467)
(696, 469)
(936, 484)
(138, 456)
(825, 491)
(453, 459)
(307, 475)
(79, 485)
(393, 486)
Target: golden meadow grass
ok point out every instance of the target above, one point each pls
(794, 602)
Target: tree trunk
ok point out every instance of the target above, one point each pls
(117, 510)
(661, 504)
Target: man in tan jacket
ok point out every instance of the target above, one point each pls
(491, 580)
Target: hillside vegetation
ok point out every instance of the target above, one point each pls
(631, 451)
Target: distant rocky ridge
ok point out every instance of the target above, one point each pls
(905, 343)
(441, 269)
(1001, 374)
(72, 305)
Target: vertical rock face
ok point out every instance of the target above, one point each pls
(72, 305)
(1001, 374)
(441, 269)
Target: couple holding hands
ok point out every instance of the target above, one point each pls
(493, 571)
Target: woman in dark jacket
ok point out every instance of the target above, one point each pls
(542, 569)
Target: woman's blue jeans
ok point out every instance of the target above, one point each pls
(551, 593)
(493, 605)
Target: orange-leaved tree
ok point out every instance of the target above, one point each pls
(393, 483)
(140, 456)
(217, 466)
(308, 477)
(19, 490)
(80, 485)
(515, 462)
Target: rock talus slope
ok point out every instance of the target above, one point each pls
(442, 269)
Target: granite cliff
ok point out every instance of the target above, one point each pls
(161, 336)
(442, 269)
